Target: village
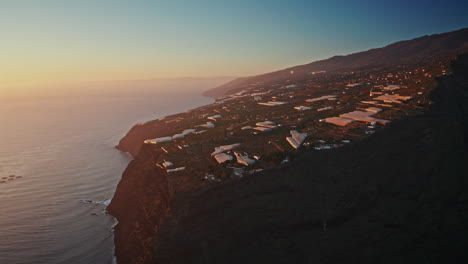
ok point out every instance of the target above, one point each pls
(266, 125)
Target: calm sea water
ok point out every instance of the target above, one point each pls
(63, 151)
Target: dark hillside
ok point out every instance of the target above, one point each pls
(399, 196)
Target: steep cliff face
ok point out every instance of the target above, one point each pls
(140, 203)
(397, 197)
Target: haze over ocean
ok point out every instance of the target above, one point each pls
(63, 149)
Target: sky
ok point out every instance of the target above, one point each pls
(45, 43)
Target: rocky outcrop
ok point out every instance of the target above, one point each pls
(140, 204)
(399, 196)
(133, 140)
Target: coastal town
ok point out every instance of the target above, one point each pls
(266, 125)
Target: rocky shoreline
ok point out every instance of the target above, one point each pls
(140, 204)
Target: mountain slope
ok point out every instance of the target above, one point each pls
(409, 51)
(397, 197)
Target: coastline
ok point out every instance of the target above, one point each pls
(133, 139)
(115, 206)
(68, 166)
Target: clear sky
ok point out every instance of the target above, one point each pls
(45, 42)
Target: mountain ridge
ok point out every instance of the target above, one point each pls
(417, 49)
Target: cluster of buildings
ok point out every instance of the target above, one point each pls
(222, 154)
(170, 138)
(362, 116)
(272, 103)
(354, 105)
(296, 139)
(264, 126)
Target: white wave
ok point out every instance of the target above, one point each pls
(105, 202)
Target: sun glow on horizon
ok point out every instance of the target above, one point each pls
(54, 43)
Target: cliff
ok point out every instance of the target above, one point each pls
(398, 196)
(133, 140)
(140, 203)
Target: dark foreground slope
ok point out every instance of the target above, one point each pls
(399, 196)
(418, 50)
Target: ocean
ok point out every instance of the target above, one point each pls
(61, 153)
